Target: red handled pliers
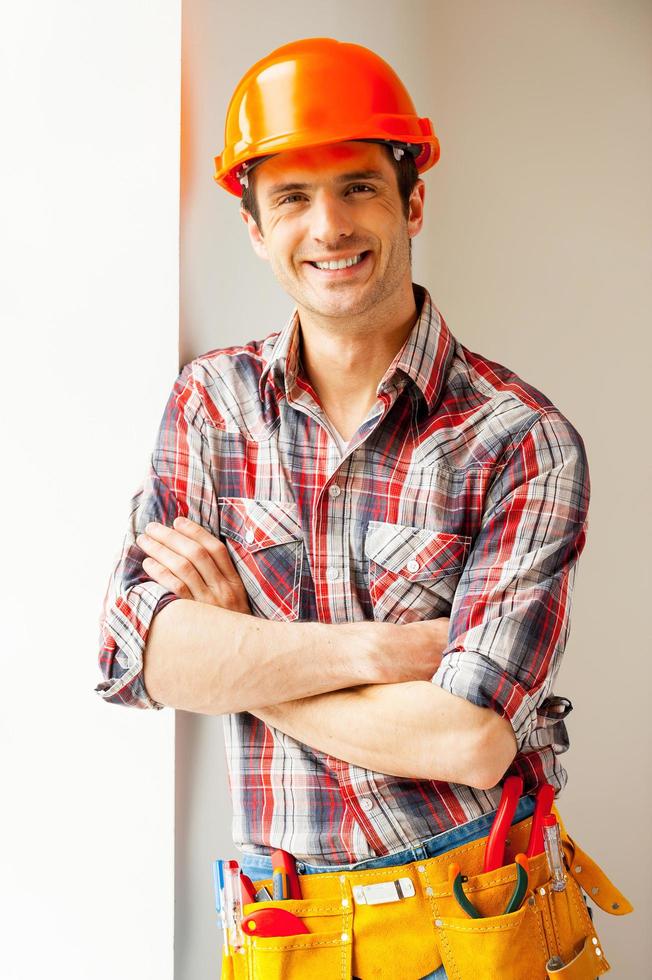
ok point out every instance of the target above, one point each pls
(494, 855)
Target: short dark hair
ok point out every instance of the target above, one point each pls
(406, 177)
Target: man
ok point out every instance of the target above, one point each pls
(402, 516)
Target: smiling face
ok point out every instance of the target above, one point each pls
(333, 203)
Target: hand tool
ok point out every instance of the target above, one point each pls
(513, 787)
(285, 878)
(232, 891)
(248, 890)
(218, 884)
(555, 963)
(280, 885)
(522, 877)
(542, 807)
(494, 854)
(554, 852)
(456, 880)
(273, 922)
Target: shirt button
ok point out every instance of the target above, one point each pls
(331, 574)
(250, 537)
(366, 803)
(334, 490)
(413, 565)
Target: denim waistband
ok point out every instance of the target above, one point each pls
(259, 866)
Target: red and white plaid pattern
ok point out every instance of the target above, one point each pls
(463, 493)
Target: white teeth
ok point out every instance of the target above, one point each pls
(342, 264)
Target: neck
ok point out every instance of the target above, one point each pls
(344, 359)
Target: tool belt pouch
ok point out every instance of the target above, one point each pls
(550, 928)
(324, 952)
(412, 937)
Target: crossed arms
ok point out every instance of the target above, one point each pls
(336, 681)
(418, 700)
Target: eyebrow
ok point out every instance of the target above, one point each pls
(342, 179)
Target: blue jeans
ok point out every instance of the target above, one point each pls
(257, 866)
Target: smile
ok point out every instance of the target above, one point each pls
(338, 263)
(340, 267)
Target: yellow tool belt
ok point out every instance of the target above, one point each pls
(409, 938)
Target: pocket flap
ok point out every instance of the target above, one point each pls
(257, 524)
(416, 553)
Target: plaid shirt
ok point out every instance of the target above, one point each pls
(464, 493)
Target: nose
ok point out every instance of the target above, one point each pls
(329, 218)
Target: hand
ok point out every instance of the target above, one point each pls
(409, 651)
(190, 561)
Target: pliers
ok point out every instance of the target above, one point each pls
(494, 854)
(456, 880)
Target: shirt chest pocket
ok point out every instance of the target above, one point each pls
(413, 572)
(265, 541)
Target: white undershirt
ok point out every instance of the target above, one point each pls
(341, 443)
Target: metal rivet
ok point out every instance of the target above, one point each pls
(542, 891)
(615, 905)
(345, 902)
(429, 891)
(345, 937)
(578, 869)
(421, 868)
(438, 922)
(594, 891)
(598, 951)
(594, 941)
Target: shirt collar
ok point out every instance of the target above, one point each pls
(425, 356)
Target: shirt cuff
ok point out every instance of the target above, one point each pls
(124, 633)
(476, 678)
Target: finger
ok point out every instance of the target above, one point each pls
(211, 585)
(182, 568)
(163, 576)
(216, 548)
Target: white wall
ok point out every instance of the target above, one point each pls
(89, 191)
(537, 251)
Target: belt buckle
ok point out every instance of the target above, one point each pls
(383, 891)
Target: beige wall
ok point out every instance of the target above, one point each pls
(536, 249)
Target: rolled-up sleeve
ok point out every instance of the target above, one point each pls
(178, 483)
(510, 616)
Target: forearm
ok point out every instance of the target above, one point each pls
(209, 660)
(412, 729)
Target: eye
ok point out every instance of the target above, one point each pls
(365, 187)
(289, 197)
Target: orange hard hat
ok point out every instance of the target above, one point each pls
(314, 91)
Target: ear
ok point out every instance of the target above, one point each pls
(415, 216)
(257, 241)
